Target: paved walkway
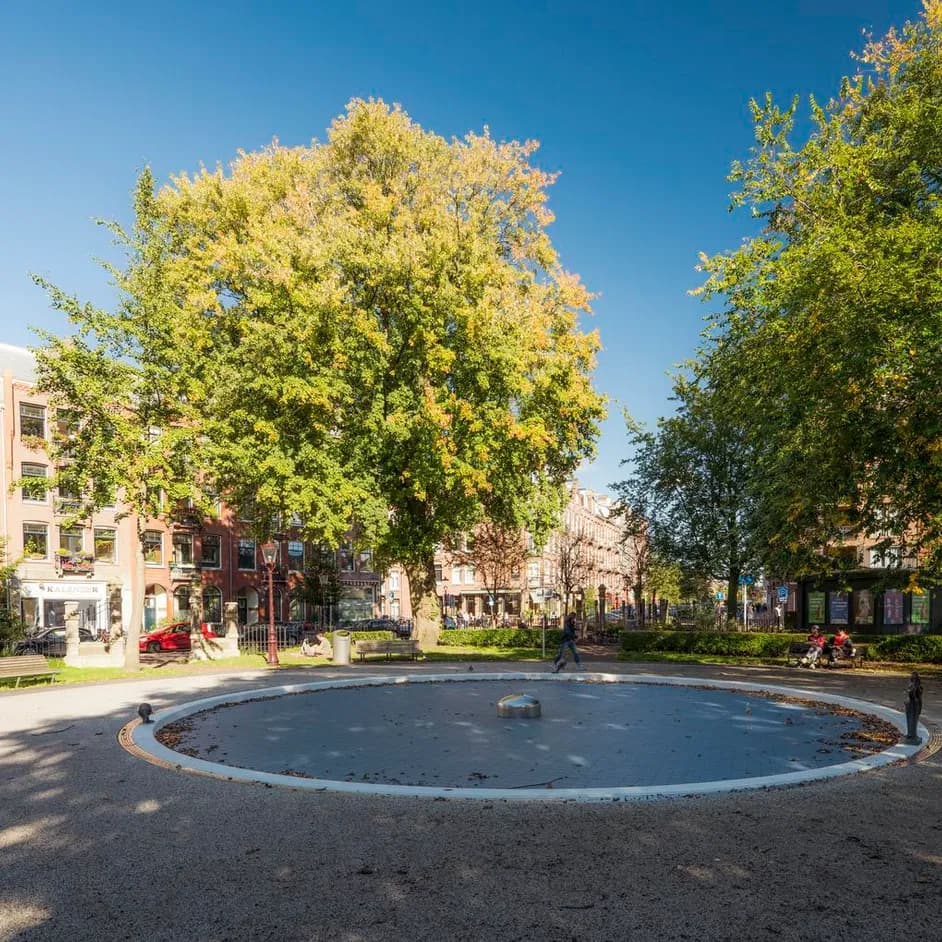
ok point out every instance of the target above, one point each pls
(96, 844)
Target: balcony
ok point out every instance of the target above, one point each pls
(183, 571)
(76, 564)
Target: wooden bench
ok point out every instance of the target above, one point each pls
(410, 648)
(798, 649)
(26, 665)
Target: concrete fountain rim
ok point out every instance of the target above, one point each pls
(141, 740)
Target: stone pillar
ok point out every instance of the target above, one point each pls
(230, 622)
(71, 634)
(198, 647)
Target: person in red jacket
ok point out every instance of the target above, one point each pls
(815, 647)
(840, 646)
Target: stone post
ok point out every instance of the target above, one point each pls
(71, 635)
(116, 637)
(198, 648)
(230, 621)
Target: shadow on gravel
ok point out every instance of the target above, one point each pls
(96, 844)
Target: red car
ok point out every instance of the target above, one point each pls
(174, 637)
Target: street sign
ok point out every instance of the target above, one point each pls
(720, 596)
(745, 580)
(783, 593)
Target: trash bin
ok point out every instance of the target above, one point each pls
(341, 647)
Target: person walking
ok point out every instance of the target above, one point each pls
(568, 641)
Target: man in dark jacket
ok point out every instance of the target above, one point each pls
(568, 641)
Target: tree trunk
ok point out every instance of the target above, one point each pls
(426, 608)
(732, 596)
(132, 652)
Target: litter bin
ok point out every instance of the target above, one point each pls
(341, 647)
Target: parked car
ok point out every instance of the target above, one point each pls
(175, 637)
(287, 633)
(50, 642)
(387, 624)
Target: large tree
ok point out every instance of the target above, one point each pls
(691, 481)
(375, 333)
(831, 332)
(128, 435)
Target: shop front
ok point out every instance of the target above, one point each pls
(45, 604)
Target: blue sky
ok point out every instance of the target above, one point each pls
(641, 106)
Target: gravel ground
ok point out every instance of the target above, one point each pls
(97, 844)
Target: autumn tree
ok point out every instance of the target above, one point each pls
(830, 336)
(385, 335)
(497, 554)
(573, 564)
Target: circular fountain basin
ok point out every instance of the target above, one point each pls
(600, 736)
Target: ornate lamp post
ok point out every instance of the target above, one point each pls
(270, 558)
(323, 579)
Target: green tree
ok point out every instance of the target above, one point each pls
(385, 336)
(131, 435)
(691, 482)
(831, 333)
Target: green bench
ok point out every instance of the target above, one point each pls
(26, 665)
(389, 648)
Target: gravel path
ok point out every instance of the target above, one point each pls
(96, 844)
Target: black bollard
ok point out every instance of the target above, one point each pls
(913, 709)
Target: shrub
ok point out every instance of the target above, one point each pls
(908, 649)
(718, 643)
(499, 637)
(364, 635)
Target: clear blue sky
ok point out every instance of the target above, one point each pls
(641, 106)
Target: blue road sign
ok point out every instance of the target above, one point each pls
(783, 593)
(745, 580)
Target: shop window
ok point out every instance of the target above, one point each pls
(247, 554)
(105, 540)
(210, 555)
(32, 421)
(35, 483)
(153, 548)
(36, 540)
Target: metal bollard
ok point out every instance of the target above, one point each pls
(913, 709)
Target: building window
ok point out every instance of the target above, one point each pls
(295, 608)
(181, 602)
(533, 572)
(394, 580)
(210, 557)
(346, 558)
(366, 560)
(295, 555)
(105, 544)
(212, 604)
(468, 575)
(247, 554)
(32, 421)
(35, 483)
(36, 540)
(153, 548)
(70, 541)
(182, 549)
(439, 575)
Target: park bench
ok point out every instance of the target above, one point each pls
(26, 665)
(409, 648)
(798, 649)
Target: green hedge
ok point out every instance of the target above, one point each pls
(499, 637)
(364, 635)
(926, 649)
(720, 643)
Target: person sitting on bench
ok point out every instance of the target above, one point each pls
(815, 647)
(840, 646)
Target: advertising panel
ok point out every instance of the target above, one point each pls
(839, 608)
(816, 607)
(893, 608)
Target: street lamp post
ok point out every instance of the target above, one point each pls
(270, 558)
(323, 579)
